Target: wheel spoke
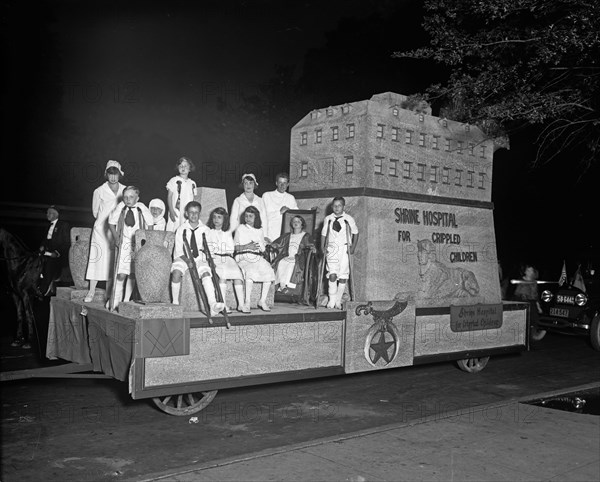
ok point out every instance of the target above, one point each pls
(191, 400)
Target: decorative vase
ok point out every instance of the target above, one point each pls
(78, 255)
(152, 262)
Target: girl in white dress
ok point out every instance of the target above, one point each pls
(181, 190)
(221, 246)
(250, 243)
(247, 198)
(104, 200)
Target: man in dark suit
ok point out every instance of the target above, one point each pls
(55, 249)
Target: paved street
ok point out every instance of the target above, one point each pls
(80, 429)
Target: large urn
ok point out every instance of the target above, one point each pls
(152, 262)
(78, 255)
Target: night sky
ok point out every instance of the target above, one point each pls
(223, 83)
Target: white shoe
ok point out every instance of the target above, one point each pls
(88, 298)
(331, 304)
(263, 306)
(216, 308)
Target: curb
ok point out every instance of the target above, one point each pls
(352, 435)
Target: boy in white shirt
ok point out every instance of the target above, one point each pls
(192, 229)
(338, 240)
(129, 216)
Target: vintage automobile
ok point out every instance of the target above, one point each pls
(567, 309)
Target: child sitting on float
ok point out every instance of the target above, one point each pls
(221, 246)
(249, 249)
(191, 230)
(290, 262)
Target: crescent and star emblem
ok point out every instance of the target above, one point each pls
(383, 338)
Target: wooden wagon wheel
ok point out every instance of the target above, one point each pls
(186, 403)
(473, 365)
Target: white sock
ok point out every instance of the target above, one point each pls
(239, 292)
(333, 287)
(340, 293)
(118, 294)
(175, 289)
(249, 284)
(209, 289)
(265, 292)
(223, 287)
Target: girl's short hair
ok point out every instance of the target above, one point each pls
(339, 198)
(256, 212)
(186, 159)
(223, 212)
(301, 219)
(112, 170)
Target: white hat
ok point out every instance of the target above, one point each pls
(114, 164)
(251, 176)
(157, 203)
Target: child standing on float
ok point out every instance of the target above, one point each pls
(104, 200)
(181, 190)
(250, 244)
(129, 216)
(338, 240)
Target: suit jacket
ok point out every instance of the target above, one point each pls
(60, 241)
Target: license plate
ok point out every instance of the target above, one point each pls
(562, 312)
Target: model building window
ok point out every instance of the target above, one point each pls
(421, 139)
(318, 136)
(350, 130)
(345, 109)
(408, 137)
(393, 167)
(395, 134)
(482, 150)
(470, 178)
(304, 169)
(471, 149)
(314, 114)
(421, 118)
(407, 171)
(447, 144)
(445, 175)
(458, 177)
(459, 147)
(436, 142)
(303, 138)
(349, 164)
(421, 171)
(329, 112)
(335, 134)
(378, 165)
(380, 130)
(433, 174)
(395, 111)
(481, 181)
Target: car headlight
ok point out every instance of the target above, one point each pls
(547, 295)
(580, 299)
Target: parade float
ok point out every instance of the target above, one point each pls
(425, 272)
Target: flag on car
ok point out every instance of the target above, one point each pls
(578, 279)
(563, 275)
